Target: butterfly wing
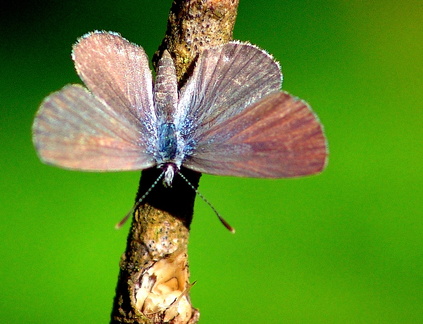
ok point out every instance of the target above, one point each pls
(74, 130)
(278, 136)
(111, 128)
(225, 81)
(117, 72)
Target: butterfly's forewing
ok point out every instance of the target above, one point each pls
(111, 128)
(73, 129)
(225, 80)
(279, 136)
(117, 72)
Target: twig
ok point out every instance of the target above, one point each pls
(153, 284)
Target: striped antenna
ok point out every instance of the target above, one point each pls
(222, 220)
(139, 201)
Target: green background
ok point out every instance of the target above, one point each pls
(342, 247)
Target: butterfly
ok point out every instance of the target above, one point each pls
(230, 118)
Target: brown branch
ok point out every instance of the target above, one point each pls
(194, 25)
(153, 284)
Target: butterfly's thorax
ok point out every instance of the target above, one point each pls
(168, 155)
(167, 141)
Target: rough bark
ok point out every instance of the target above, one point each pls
(153, 284)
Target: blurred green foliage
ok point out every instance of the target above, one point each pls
(342, 247)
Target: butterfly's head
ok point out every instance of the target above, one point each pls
(169, 170)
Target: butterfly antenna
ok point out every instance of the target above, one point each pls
(222, 220)
(138, 202)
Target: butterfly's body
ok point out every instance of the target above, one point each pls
(171, 146)
(169, 142)
(230, 118)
